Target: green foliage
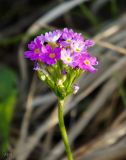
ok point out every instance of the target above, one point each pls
(114, 8)
(62, 85)
(17, 38)
(8, 92)
(90, 16)
(11, 40)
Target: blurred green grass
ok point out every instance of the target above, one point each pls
(8, 95)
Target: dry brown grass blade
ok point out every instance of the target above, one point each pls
(116, 152)
(27, 115)
(113, 28)
(102, 144)
(98, 4)
(111, 46)
(33, 140)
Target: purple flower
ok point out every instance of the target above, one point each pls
(87, 63)
(52, 36)
(34, 47)
(89, 43)
(68, 31)
(50, 55)
(37, 67)
(68, 36)
(78, 37)
(76, 88)
(64, 72)
(69, 58)
(78, 46)
(66, 39)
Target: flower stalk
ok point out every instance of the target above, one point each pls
(60, 57)
(63, 129)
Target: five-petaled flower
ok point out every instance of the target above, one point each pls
(87, 63)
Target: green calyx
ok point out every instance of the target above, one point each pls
(59, 77)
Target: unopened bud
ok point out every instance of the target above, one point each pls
(76, 88)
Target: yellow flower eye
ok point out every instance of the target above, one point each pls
(52, 55)
(68, 59)
(53, 44)
(68, 40)
(87, 62)
(37, 50)
(77, 50)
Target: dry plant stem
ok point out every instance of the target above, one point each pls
(111, 46)
(63, 129)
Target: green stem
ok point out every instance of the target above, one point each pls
(63, 129)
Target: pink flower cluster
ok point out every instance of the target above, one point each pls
(62, 45)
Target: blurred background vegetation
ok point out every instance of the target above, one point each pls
(96, 116)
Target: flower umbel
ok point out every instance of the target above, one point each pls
(58, 51)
